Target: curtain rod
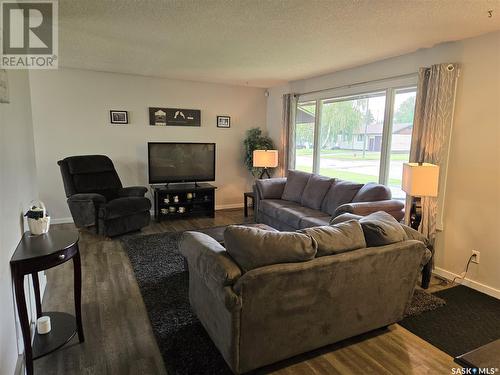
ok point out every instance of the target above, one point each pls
(408, 75)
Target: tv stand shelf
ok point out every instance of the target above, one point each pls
(192, 200)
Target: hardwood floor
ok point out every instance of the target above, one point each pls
(119, 339)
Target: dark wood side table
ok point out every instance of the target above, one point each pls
(39, 253)
(247, 195)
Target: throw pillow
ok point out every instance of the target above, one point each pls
(295, 184)
(339, 238)
(340, 192)
(254, 247)
(380, 228)
(316, 188)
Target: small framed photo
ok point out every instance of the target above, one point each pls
(118, 117)
(223, 121)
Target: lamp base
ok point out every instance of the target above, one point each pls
(264, 172)
(415, 212)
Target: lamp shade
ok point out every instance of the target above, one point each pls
(265, 158)
(420, 179)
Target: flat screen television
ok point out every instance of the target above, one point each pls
(181, 162)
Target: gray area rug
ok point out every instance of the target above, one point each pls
(163, 280)
(422, 302)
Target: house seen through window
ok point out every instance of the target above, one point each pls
(361, 138)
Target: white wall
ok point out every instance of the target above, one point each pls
(472, 203)
(17, 188)
(71, 117)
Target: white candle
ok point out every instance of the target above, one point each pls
(43, 325)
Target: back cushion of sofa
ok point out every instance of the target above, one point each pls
(340, 192)
(295, 184)
(380, 228)
(316, 188)
(339, 238)
(253, 247)
(372, 192)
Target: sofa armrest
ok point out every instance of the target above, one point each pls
(391, 206)
(132, 191)
(209, 259)
(344, 217)
(272, 188)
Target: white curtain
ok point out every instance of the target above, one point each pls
(434, 108)
(287, 149)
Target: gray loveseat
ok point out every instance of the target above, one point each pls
(306, 200)
(261, 313)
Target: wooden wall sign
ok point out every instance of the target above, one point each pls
(174, 117)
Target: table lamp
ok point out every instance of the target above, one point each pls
(265, 159)
(419, 180)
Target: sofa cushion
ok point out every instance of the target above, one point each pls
(124, 206)
(271, 188)
(295, 184)
(308, 221)
(372, 192)
(253, 247)
(340, 192)
(339, 238)
(294, 214)
(271, 206)
(316, 188)
(380, 228)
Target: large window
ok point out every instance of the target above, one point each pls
(362, 137)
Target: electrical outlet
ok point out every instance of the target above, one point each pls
(475, 256)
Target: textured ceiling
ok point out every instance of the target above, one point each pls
(257, 42)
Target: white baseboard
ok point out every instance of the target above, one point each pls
(468, 282)
(228, 206)
(62, 220)
(69, 220)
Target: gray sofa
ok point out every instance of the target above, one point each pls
(305, 200)
(263, 310)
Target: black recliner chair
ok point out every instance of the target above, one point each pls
(96, 196)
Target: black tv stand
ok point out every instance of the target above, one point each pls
(192, 200)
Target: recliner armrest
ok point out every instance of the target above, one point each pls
(85, 197)
(209, 259)
(391, 206)
(132, 191)
(84, 208)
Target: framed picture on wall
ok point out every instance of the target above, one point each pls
(118, 117)
(223, 121)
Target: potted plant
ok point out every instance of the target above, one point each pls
(255, 140)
